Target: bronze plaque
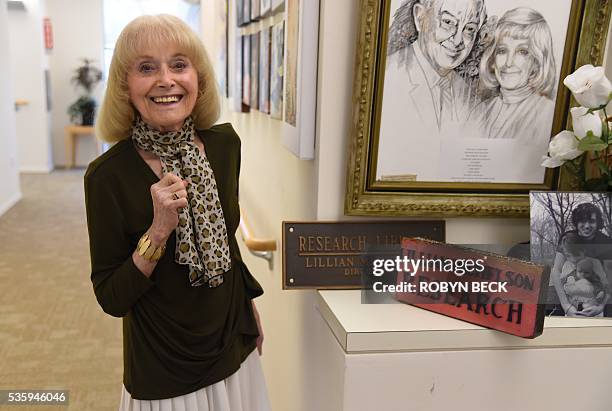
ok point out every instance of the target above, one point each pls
(334, 255)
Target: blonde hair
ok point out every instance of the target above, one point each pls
(524, 23)
(147, 33)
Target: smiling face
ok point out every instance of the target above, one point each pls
(587, 228)
(513, 63)
(447, 31)
(163, 87)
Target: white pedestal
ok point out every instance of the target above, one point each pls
(399, 357)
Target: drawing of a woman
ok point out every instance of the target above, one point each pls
(519, 71)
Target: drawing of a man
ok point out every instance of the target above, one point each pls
(447, 31)
(423, 93)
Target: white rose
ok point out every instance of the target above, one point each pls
(589, 86)
(562, 147)
(583, 122)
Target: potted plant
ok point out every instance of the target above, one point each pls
(86, 78)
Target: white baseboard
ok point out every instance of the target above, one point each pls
(10, 203)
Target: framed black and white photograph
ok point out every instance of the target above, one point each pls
(571, 232)
(455, 102)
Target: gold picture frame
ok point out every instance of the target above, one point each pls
(584, 44)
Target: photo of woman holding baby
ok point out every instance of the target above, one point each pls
(578, 276)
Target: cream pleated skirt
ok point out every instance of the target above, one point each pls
(245, 390)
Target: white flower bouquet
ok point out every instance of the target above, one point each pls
(592, 89)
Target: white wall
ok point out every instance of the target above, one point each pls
(275, 186)
(9, 189)
(28, 61)
(78, 33)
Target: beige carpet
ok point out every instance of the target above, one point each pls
(53, 334)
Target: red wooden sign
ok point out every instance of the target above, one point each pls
(489, 290)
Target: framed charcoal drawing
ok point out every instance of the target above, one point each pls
(454, 102)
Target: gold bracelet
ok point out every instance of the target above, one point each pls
(147, 250)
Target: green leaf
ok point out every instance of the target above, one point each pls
(592, 143)
(603, 167)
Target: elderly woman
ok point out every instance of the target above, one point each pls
(588, 239)
(519, 71)
(162, 210)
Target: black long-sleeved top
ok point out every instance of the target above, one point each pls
(176, 338)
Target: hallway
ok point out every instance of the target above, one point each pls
(54, 335)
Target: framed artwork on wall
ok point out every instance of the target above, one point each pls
(266, 7)
(277, 5)
(300, 76)
(255, 70)
(255, 10)
(454, 104)
(246, 71)
(241, 8)
(221, 34)
(264, 71)
(276, 70)
(238, 80)
(239, 13)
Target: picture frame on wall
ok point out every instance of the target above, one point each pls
(255, 71)
(277, 5)
(459, 129)
(246, 72)
(276, 70)
(246, 11)
(255, 10)
(238, 80)
(264, 70)
(221, 35)
(266, 7)
(300, 76)
(240, 9)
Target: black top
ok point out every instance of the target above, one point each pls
(176, 338)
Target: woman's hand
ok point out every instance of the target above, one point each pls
(259, 328)
(166, 206)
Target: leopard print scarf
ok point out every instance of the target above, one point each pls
(201, 235)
